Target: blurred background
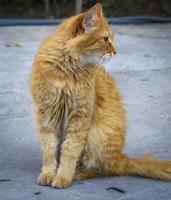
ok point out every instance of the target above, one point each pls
(64, 8)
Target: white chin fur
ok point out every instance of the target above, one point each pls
(94, 59)
(90, 59)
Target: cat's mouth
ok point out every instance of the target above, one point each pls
(107, 57)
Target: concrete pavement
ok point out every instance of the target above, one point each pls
(142, 68)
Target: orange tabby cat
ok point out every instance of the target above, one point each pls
(80, 118)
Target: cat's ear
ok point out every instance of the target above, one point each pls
(98, 9)
(90, 18)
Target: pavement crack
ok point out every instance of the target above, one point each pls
(5, 180)
(37, 193)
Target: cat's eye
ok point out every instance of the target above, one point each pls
(106, 39)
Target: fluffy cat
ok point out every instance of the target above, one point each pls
(79, 113)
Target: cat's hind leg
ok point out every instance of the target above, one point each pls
(82, 174)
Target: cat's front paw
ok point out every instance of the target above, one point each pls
(61, 182)
(45, 178)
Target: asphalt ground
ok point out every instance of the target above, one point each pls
(142, 69)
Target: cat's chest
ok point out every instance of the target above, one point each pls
(63, 104)
(60, 109)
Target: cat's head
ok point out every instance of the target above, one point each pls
(94, 44)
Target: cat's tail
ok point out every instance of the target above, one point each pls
(148, 167)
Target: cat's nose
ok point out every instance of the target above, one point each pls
(114, 49)
(114, 52)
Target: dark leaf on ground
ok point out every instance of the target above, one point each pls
(116, 189)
